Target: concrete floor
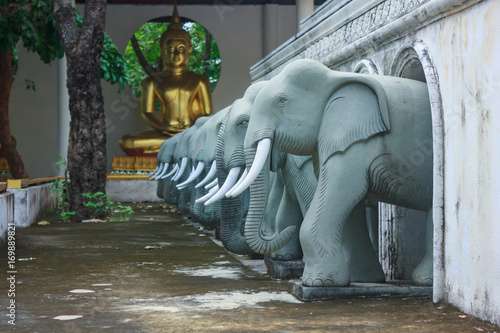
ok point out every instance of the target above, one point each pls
(159, 273)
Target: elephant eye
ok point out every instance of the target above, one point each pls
(281, 100)
(242, 121)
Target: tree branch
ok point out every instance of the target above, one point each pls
(95, 14)
(65, 18)
(208, 49)
(140, 56)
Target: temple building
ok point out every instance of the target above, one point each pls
(451, 45)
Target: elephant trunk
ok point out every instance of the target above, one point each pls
(231, 224)
(232, 210)
(262, 236)
(208, 217)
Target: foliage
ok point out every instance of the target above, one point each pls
(148, 37)
(101, 205)
(60, 192)
(210, 67)
(33, 23)
(113, 64)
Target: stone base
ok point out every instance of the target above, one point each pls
(6, 215)
(132, 191)
(284, 270)
(394, 289)
(30, 202)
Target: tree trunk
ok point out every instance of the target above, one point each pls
(16, 164)
(87, 137)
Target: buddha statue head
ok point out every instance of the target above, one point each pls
(175, 45)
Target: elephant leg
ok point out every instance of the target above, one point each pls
(363, 261)
(342, 185)
(423, 273)
(289, 214)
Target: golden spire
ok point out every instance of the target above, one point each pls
(174, 30)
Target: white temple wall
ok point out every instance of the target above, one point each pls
(33, 115)
(457, 44)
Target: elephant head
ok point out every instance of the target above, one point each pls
(181, 156)
(360, 129)
(230, 156)
(166, 168)
(202, 157)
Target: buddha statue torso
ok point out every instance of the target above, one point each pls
(180, 97)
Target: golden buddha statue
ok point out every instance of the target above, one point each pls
(183, 96)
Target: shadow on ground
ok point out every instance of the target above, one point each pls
(159, 273)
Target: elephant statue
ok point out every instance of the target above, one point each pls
(166, 169)
(365, 133)
(230, 158)
(202, 155)
(181, 157)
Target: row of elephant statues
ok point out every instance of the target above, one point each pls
(286, 169)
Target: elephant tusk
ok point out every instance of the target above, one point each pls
(207, 196)
(158, 168)
(243, 176)
(174, 170)
(193, 175)
(212, 184)
(210, 175)
(163, 171)
(231, 179)
(182, 168)
(261, 154)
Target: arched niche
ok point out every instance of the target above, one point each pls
(366, 66)
(413, 61)
(205, 57)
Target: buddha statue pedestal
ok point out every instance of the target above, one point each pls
(141, 150)
(140, 166)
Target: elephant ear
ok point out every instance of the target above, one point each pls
(356, 111)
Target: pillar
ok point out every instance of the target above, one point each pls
(270, 29)
(304, 8)
(63, 116)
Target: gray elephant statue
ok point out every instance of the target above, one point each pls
(202, 156)
(365, 133)
(181, 157)
(230, 156)
(166, 169)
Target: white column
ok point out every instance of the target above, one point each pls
(304, 8)
(270, 40)
(63, 117)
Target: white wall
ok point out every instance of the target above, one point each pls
(467, 48)
(33, 115)
(457, 42)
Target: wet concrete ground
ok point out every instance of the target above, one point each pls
(159, 273)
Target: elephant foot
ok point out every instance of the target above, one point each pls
(423, 275)
(287, 254)
(367, 274)
(326, 275)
